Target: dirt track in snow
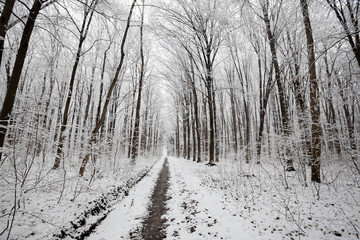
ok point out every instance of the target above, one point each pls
(154, 224)
(173, 203)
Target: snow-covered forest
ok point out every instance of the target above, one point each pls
(245, 112)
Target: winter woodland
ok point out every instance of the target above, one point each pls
(257, 101)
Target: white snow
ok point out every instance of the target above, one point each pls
(231, 200)
(198, 212)
(251, 201)
(128, 214)
(40, 215)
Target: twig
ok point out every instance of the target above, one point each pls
(42, 219)
(64, 181)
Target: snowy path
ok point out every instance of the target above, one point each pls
(199, 212)
(194, 211)
(125, 221)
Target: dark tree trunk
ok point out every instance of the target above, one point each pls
(177, 137)
(314, 97)
(216, 129)
(286, 129)
(188, 127)
(83, 33)
(349, 21)
(135, 138)
(205, 129)
(12, 85)
(211, 110)
(197, 122)
(131, 120)
(234, 122)
(264, 99)
(109, 94)
(4, 19)
(193, 128)
(184, 132)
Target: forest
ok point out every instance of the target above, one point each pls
(94, 92)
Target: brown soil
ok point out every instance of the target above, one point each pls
(154, 224)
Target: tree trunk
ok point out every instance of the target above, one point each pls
(349, 22)
(135, 139)
(12, 85)
(177, 137)
(314, 97)
(184, 132)
(286, 129)
(234, 122)
(4, 19)
(193, 128)
(108, 97)
(83, 33)
(188, 127)
(197, 123)
(331, 116)
(131, 120)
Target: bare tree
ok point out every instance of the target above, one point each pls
(109, 94)
(135, 137)
(314, 97)
(13, 82)
(4, 19)
(83, 32)
(347, 12)
(285, 117)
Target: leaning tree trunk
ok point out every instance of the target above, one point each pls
(83, 33)
(4, 19)
(108, 97)
(286, 129)
(12, 84)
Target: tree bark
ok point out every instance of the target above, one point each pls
(12, 85)
(4, 19)
(83, 33)
(197, 122)
(108, 97)
(314, 97)
(286, 129)
(348, 22)
(135, 138)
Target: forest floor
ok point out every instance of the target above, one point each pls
(53, 204)
(230, 201)
(174, 198)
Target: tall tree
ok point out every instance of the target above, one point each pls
(135, 138)
(285, 116)
(201, 20)
(12, 84)
(348, 12)
(110, 91)
(83, 32)
(314, 97)
(4, 19)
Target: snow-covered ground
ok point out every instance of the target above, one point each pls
(234, 201)
(240, 201)
(199, 212)
(231, 200)
(124, 222)
(41, 214)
